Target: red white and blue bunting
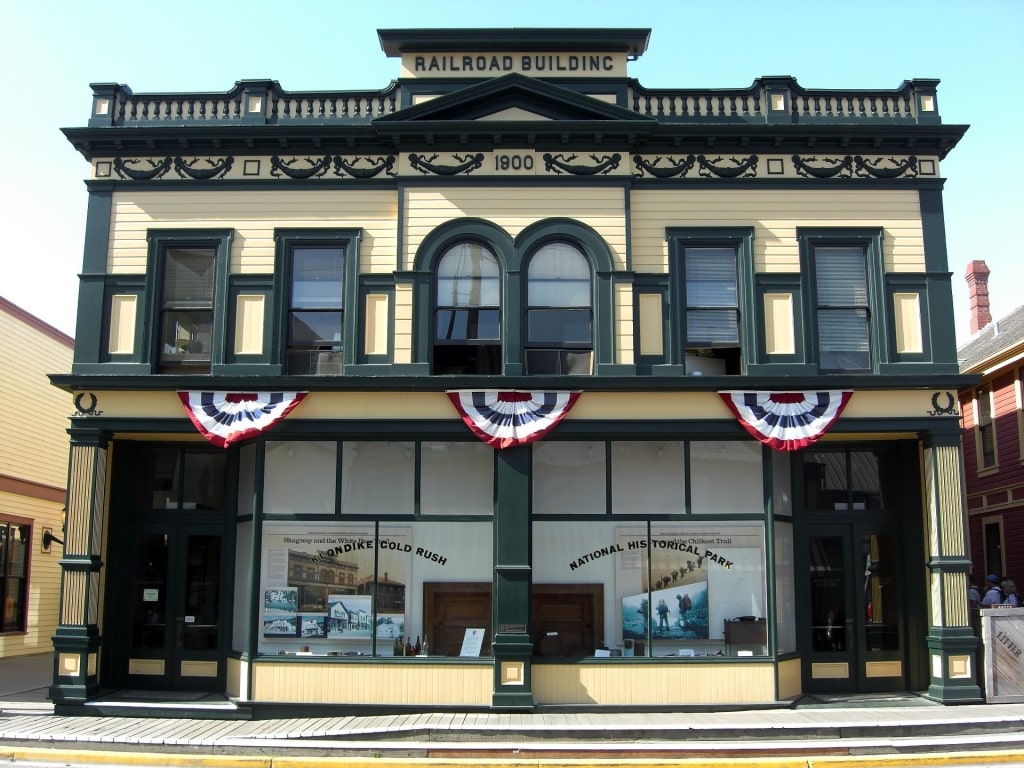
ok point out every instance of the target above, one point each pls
(787, 421)
(503, 419)
(227, 417)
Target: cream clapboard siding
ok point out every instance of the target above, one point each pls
(514, 209)
(34, 446)
(253, 215)
(34, 449)
(775, 215)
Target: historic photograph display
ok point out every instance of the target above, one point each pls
(320, 581)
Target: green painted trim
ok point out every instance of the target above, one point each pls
(89, 346)
(631, 40)
(482, 98)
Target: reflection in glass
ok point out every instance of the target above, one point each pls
(828, 594)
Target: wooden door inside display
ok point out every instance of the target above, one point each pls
(568, 619)
(449, 609)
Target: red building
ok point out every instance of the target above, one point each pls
(993, 428)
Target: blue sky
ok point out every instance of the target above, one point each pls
(55, 48)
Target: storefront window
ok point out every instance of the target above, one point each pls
(299, 478)
(473, 466)
(785, 588)
(569, 478)
(682, 590)
(726, 478)
(377, 478)
(373, 590)
(648, 478)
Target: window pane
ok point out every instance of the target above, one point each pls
(726, 478)
(841, 277)
(558, 326)
(456, 479)
(320, 328)
(188, 276)
(468, 276)
(204, 480)
(710, 277)
(648, 478)
(467, 324)
(186, 335)
(569, 478)
(378, 478)
(559, 276)
(843, 340)
(299, 478)
(712, 328)
(318, 278)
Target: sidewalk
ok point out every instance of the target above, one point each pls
(863, 731)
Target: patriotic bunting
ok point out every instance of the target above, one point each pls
(787, 421)
(227, 417)
(503, 419)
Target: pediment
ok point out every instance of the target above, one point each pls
(513, 98)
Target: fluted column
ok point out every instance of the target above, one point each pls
(77, 641)
(952, 643)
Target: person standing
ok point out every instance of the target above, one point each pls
(1010, 593)
(993, 595)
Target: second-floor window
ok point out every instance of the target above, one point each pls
(712, 307)
(985, 429)
(467, 337)
(559, 313)
(186, 309)
(316, 310)
(843, 312)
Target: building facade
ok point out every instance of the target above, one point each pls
(993, 424)
(33, 479)
(597, 395)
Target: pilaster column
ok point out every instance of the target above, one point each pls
(952, 643)
(77, 642)
(513, 578)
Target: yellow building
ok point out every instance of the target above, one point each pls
(33, 479)
(595, 394)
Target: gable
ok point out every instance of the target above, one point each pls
(516, 98)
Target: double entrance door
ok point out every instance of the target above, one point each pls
(170, 623)
(853, 608)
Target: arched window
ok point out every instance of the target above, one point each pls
(559, 311)
(467, 320)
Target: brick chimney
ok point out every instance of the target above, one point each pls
(977, 285)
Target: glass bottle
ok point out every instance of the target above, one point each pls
(418, 647)
(399, 649)
(426, 646)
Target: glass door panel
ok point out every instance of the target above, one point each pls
(829, 609)
(174, 637)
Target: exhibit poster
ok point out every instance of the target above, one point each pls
(320, 581)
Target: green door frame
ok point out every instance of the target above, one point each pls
(854, 631)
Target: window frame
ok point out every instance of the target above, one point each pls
(870, 241)
(286, 242)
(741, 240)
(985, 430)
(563, 347)
(437, 307)
(11, 523)
(512, 255)
(160, 242)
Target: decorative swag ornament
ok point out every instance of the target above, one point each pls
(227, 417)
(787, 421)
(503, 419)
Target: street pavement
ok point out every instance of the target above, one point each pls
(838, 732)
